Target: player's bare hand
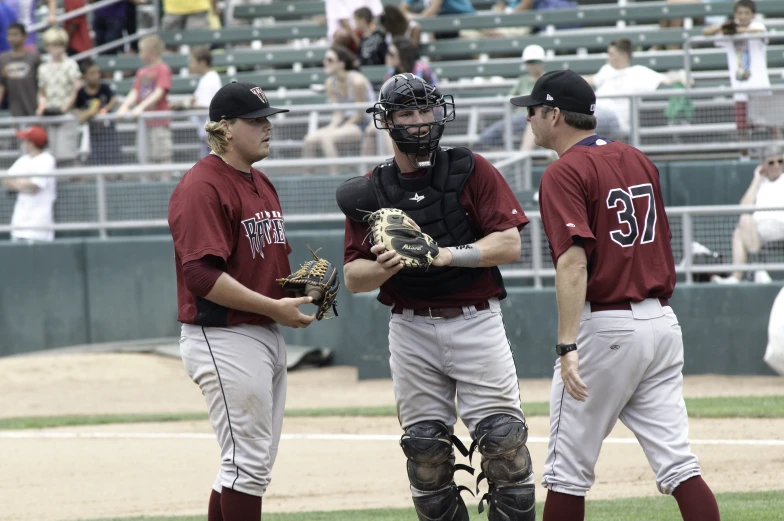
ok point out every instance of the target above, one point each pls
(571, 377)
(389, 260)
(287, 312)
(444, 258)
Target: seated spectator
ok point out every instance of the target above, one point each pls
(761, 227)
(339, 16)
(402, 56)
(618, 76)
(344, 84)
(372, 45)
(36, 195)
(540, 5)
(493, 136)
(748, 65)
(397, 25)
(210, 82)
(109, 22)
(18, 73)
(78, 29)
(59, 80)
(442, 7)
(179, 15)
(94, 98)
(150, 89)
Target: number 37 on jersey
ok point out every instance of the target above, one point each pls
(633, 227)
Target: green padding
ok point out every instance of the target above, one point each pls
(711, 59)
(42, 296)
(692, 183)
(132, 289)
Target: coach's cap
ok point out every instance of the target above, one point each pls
(35, 135)
(533, 53)
(241, 100)
(565, 90)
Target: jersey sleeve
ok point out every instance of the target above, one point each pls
(492, 203)
(356, 242)
(200, 223)
(563, 205)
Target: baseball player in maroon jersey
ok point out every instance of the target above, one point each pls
(229, 247)
(619, 343)
(446, 334)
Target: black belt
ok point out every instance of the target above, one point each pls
(627, 305)
(450, 312)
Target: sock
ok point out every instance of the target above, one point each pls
(214, 510)
(563, 507)
(696, 500)
(237, 506)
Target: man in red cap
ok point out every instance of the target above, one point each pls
(35, 202)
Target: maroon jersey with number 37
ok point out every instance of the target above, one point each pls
(608, 194)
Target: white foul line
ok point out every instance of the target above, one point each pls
(37, 434)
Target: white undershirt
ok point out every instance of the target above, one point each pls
(38, 208)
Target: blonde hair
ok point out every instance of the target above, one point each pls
(153, 43)
(55, 36)
(216, 136)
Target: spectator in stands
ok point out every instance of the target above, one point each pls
(402, 57)
(108, 24)
(526, 5)
(18, 73)
(340, 20)
(748, 64)
(7, 17)
(150, 90)
(78, 29)
(36, 195)
(619, 76)
(398, 25)
(26, 13)
(761, 227)
(344, 84)
(493, 136)
(442, 7)
(372, 44)
(94, 98)
(187, 14)
(200, 63)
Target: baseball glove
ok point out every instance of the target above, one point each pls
(397, 232)
(317, 279)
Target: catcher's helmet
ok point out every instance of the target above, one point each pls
(407, 91)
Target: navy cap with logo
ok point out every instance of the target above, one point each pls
(565, 90)
(241, 100)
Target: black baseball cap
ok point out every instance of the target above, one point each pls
(241, 100)
(565, 90)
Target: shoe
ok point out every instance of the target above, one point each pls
(762, 277)
(724, 280)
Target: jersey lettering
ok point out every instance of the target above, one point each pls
(627, 216)
(262, 230)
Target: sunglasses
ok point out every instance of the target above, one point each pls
(774, 161)
(532, 110)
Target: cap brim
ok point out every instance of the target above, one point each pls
(262, 113)
(525, 101)
(22, 134)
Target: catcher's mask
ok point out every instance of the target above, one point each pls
(409, 92)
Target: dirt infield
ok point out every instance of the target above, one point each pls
(147, 469)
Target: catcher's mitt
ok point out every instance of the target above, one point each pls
(317, 279)
(396, 231)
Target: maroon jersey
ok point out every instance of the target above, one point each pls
(491, 207)
(608, 195)
(217, 210)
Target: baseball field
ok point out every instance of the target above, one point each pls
(125, 436)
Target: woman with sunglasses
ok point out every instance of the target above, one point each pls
(344, 84)
(758, 228)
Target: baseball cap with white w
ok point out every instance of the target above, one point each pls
(565, 90)
(241, 100)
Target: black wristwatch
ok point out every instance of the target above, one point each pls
(562, 349)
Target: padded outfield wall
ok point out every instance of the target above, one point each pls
(90, 291)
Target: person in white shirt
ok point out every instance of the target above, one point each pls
(760, 227)
(209, 83)
(747, 60)
(340, 19)
(36, 195)
(618, 76)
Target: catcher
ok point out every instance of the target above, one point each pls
(446, 334)
(231, 258)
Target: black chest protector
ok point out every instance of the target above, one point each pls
(433, 202)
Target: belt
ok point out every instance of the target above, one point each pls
(595, 306)
(450, 312)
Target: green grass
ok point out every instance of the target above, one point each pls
(722, 407)
(756, 506)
